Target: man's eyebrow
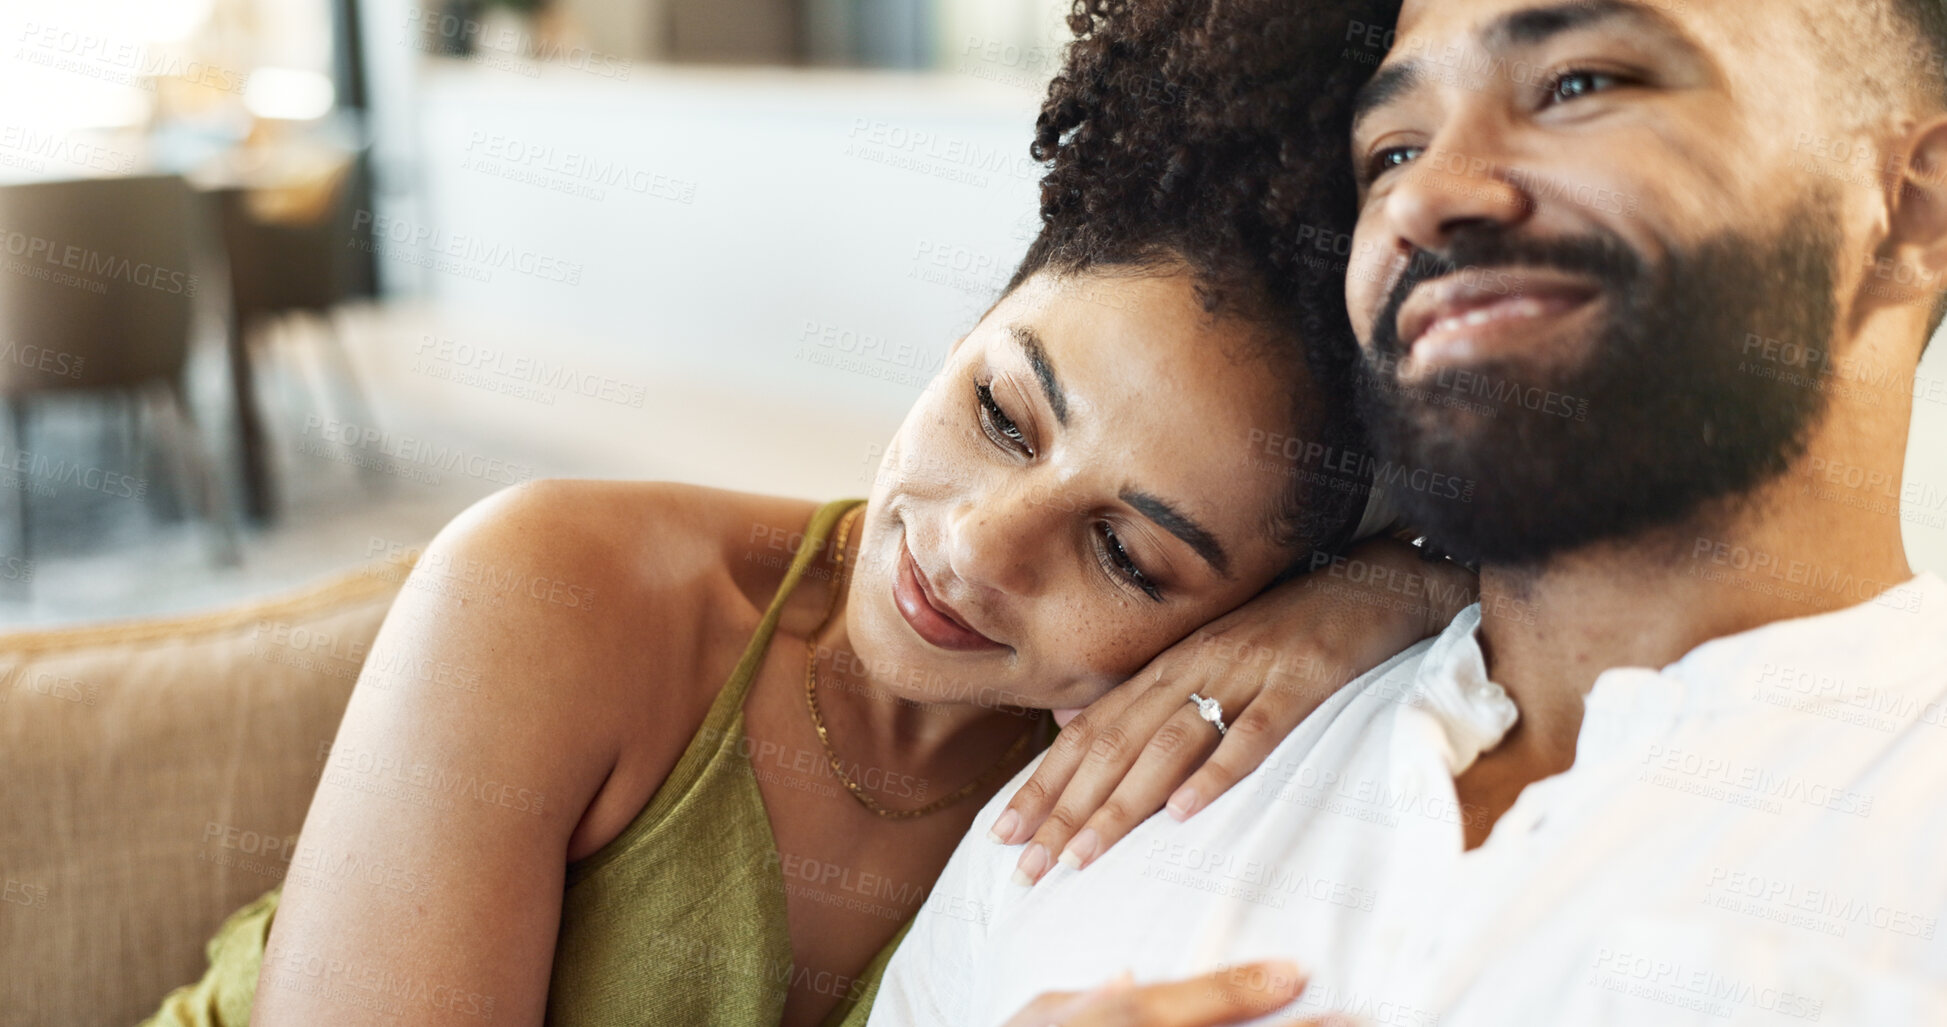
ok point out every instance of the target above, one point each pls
(1534, 25)
(1182, 526)
(1529, 26)
(1383, 89)
(1044, 372)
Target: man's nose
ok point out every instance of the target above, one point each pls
(1458, 183)
(1001, 541)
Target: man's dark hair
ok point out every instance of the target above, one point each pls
(1214, 135)
(1926, 21)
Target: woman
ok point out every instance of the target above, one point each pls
(716, 792)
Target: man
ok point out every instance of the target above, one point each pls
(1680, 764)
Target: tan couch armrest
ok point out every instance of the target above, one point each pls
(156, 773)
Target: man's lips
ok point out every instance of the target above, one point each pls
(1463, 318)
(931, 618)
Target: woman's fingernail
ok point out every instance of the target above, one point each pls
(1183, 803)
(1034, 863)
(1081, 849)
(1003, 829)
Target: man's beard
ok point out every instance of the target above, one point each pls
(1674, 408)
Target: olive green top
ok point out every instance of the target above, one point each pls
(679, 921)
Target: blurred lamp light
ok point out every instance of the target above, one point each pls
(288, 94)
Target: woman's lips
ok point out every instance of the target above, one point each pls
(932, 620)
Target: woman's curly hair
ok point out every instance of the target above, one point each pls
(1214, 135)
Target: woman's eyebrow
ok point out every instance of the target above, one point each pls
(1044, 372)
(1181, 525)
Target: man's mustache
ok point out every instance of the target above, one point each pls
(1487, 252)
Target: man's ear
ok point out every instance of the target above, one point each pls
(1917, 233)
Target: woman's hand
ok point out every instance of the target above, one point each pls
(1230, 995)
(1270, 663)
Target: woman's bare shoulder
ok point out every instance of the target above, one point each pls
(633, 540)
(648, 590)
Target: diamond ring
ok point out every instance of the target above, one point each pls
(1210, 710)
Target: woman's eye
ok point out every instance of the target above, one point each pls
(1391, 157)
(1570, 85)
(1119, 563)
(998, 426)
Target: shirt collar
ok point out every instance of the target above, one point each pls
(1854, 644)
(1472, 712)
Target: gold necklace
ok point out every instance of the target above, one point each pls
(840, 576)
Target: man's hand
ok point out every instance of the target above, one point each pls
(1231, 995)
(1270, 663)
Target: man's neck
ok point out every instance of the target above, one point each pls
(1805, 544)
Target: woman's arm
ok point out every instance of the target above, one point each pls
(427, 882)
(1270, 663)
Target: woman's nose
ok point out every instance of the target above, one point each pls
(1003, 541)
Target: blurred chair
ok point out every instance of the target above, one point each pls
(291, 237)
(97, 296)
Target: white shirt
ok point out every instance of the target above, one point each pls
(1756, 833)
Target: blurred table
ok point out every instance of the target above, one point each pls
(284, 177)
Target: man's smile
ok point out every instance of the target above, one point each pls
(1474, 317)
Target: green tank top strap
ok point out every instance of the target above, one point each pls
(815, 534)
(722, 730)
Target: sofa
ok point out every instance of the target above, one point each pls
(154, 775)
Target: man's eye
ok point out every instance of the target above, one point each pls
(1117, 561)
(1570, 85)
(1391, 157)
(997, 425)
